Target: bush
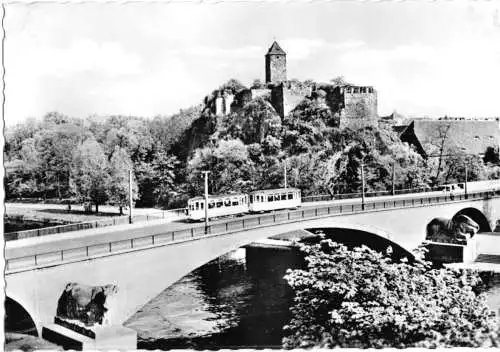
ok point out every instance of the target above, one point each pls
(363, 299)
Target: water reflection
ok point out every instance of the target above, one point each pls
(223, 304)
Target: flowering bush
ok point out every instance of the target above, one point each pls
(361, 298)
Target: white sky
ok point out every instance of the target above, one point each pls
(144, 59)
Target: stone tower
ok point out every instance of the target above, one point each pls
(275, 64)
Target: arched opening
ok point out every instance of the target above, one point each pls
(17, 319)
(478, 217)
(356, 238)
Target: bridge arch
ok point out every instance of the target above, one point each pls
(373, 238)
(18, 319)
(477, 216)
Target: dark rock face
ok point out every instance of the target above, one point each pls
(84, 303)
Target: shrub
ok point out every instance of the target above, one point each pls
(363, 299)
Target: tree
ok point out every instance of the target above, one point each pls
(90, 174)
(118, 182)
(360, 298)
(229, 165)
(157, 179)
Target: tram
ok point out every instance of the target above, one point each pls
(223, 205)
(234, 204)
(273, 199)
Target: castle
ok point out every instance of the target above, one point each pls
(355, 106)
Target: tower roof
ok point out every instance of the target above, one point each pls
(275, 49)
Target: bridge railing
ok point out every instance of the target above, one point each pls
(44, 231)
(327, 197)
(56, 257)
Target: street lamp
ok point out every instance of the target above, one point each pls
(284, 166)
(465, 186)
(206, 199)
(130, 196)
(363, 185)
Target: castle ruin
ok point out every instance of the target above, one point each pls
(355, 106)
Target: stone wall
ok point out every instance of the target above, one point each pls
(286, 96)
(356, 106)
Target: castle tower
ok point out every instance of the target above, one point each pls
(275, 64)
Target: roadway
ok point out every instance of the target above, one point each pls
(29, 246)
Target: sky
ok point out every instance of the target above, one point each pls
(146, 59)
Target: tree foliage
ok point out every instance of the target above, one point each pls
(360, 298)
(90, 176)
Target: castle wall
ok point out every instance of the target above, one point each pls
(360, 110)
(356, 106)
(286, 97)
(259, 92)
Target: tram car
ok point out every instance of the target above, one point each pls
(234, 204)
(273, 199)
(223, 205)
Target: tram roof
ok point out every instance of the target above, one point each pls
(214, 196)
(275, 190)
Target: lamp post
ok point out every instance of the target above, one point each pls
(284, 166)
(465, 186)
(206, 199)
(130, 196)
(363, 185)
(393, 178)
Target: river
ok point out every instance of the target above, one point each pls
(226, 304)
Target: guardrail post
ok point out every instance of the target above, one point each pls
(153, 239)
(110, 247)
(340, 208)
(315, 211)
(243, 222)
(288, 215)
(328, 210)
(302, 214)
(192, 232)
(258, 220)
(413, 201)
(131, 243)
(274, 217)
(38, 232)
(173, 232)
(384, 204)
(352, 208)
(226, 226)
(404, 203)
(86, 250)
(62, 256)
(36, 261)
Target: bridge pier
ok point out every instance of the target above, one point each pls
(491, 212)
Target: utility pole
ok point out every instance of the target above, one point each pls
(393, 179)
(130, 196)
(465, 186)
(363, 185)
(206, 199)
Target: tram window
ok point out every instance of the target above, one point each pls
(201, 206)
(276, 196)
(251, 198)
(235, 202)
(290, 195)
(283, 196)
(197, 205)
(270, 198)
(227, 202)
(211, 205)
(219, 203)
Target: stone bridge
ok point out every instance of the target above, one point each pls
(145, 259)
